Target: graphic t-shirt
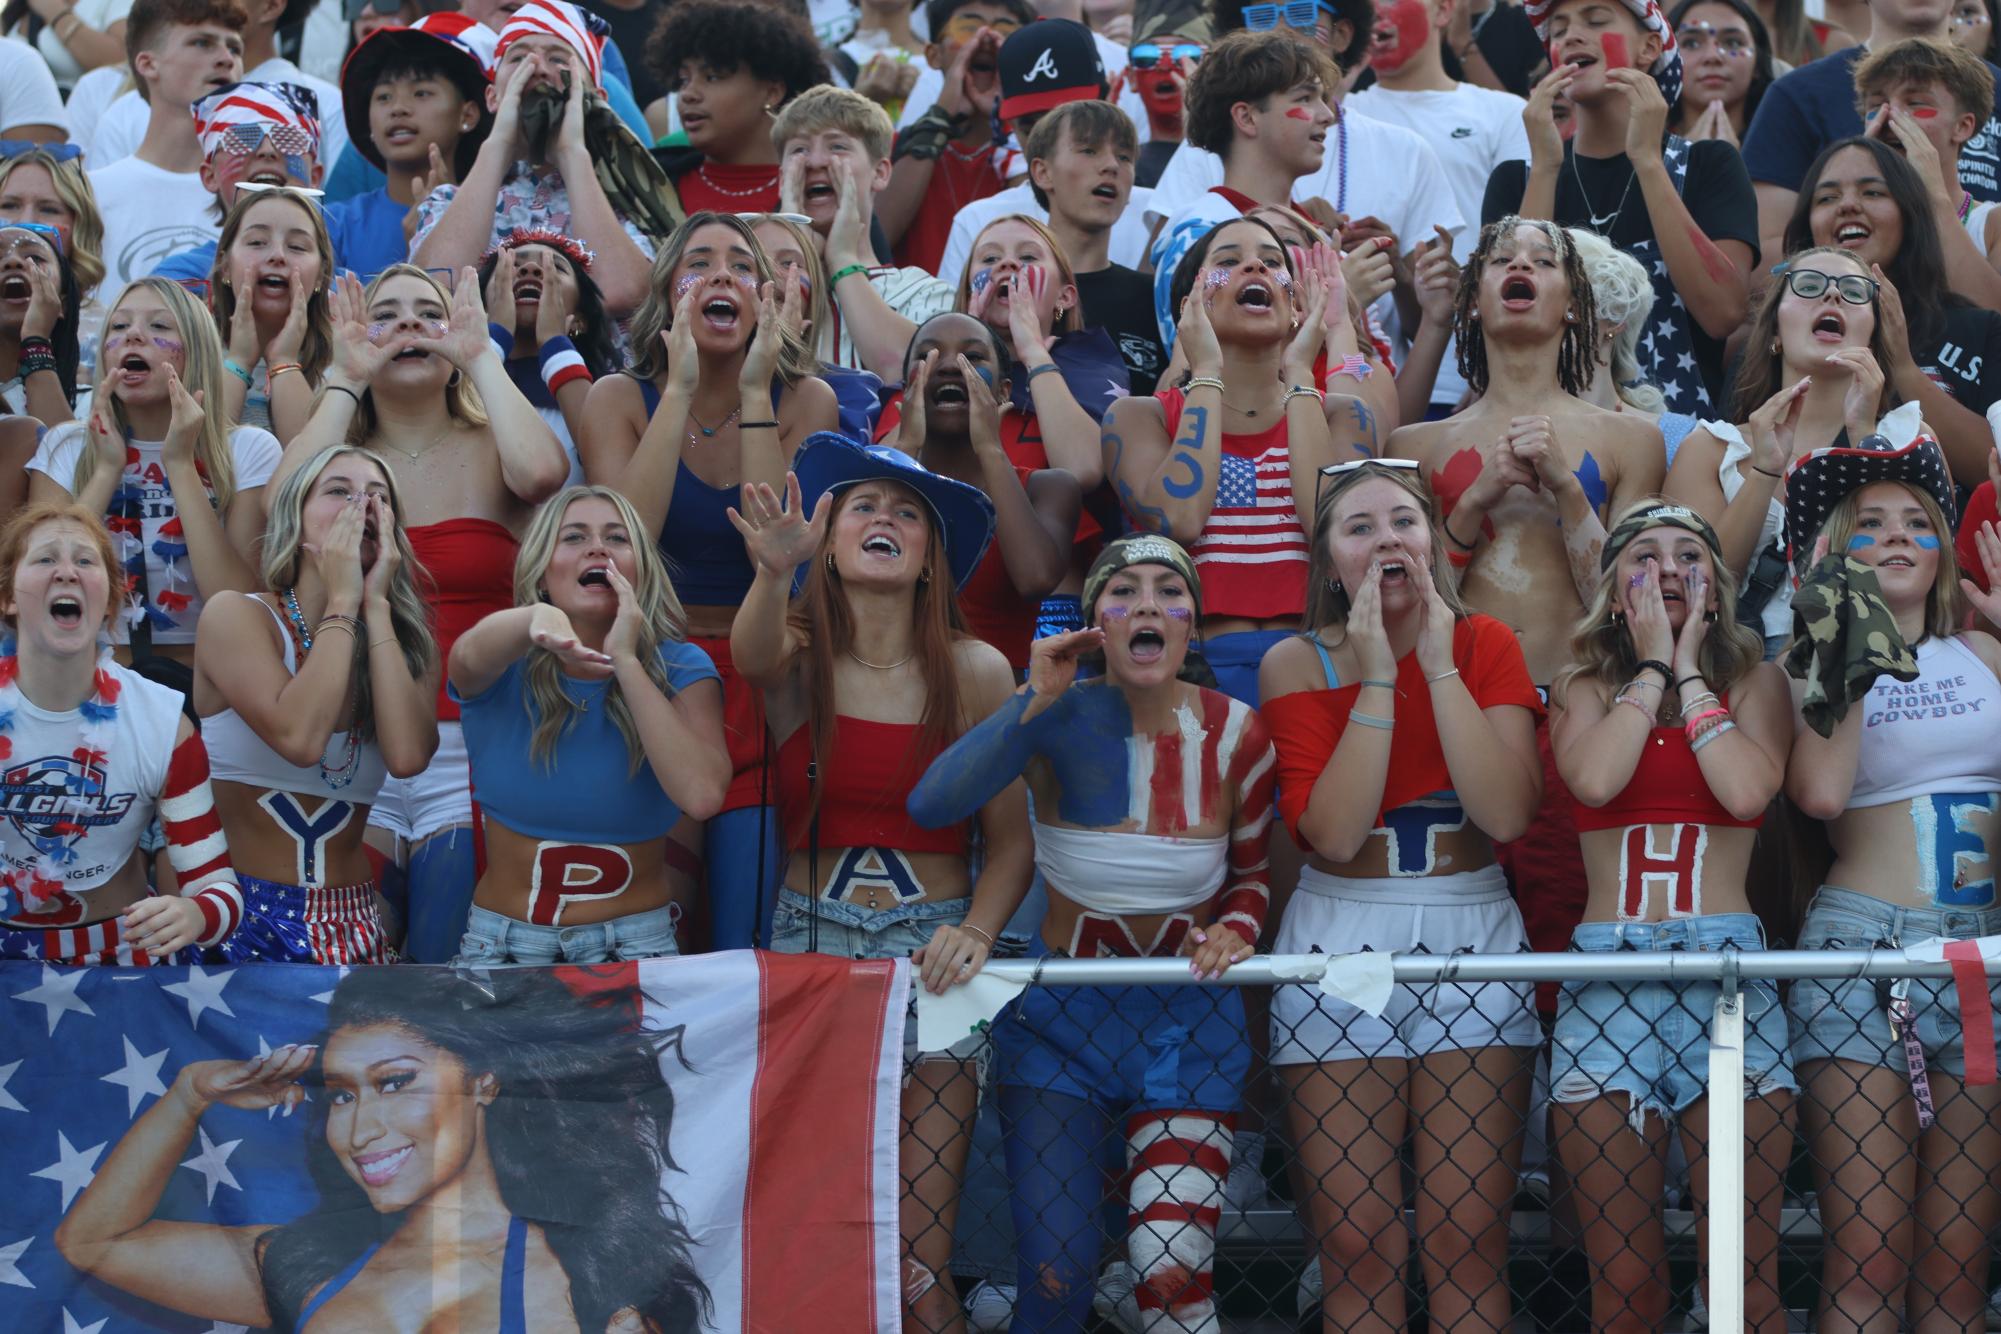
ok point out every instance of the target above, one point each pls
(149, 215)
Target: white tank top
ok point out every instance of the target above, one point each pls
(90, 816)
(1976, 224)
(1938, 733)
(236, 754)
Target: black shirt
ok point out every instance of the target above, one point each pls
(1718, 195)
(1967, 361)
(1153, 156)
(1120, 301)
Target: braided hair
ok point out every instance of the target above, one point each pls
(1575, 361)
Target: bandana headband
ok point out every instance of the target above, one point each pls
(271, 105)
(1657, 516)
(1140, 549)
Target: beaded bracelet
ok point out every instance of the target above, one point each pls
(35, 345)
(1694, 726)
(1302, 391)
(1711, 735)
(1706, 699)
(29, 363)
(1371, 720)
(1623, 698)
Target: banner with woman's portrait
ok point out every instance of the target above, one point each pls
(703, 1144)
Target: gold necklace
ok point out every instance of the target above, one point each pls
(432, 444)
(881, 667)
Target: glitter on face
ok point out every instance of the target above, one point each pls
(1282, 278)
(686, 284)
(1114, 613)
(1181, 613)
(170, 346)
(378, 331)
(1215, 278)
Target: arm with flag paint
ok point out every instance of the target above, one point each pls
(199, 1269)
(1245, 898)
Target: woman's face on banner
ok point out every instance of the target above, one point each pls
(404, 1117)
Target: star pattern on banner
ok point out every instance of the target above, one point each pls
(10, 1264)
(139, 1076)
(7, 1102)
(57, 994)
(203, 992)
(71, 1325)
(213, 1163)
(72, 1170)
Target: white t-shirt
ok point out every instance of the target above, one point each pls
(1128, 233)
(28, 95)
(149, 214)
(931, 82)
(910, 292)
(1472, 130)
(123, 125)
(99, 14)
(93, 93)
(173, 603)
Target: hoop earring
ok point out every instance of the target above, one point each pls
(1775, 347)
(830, 563)
(1709, 617)
(453, 383)
(1619, 618)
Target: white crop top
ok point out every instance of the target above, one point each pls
(90, 816)
(1938, 733)
(1135, 875)
(236, 754)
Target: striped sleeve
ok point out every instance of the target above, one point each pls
(1246, 896)
(195, 844)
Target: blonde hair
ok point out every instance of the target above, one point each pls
(826, 107)
(1625, 297)
(1602, 649)
(316, 348)
(201, 374)
(1326, 601)
(819, 301)
(85, 246)
(462, 401)
(1069, 321)
(1945, 606)
(284, 552)
(656, 313)
(661, 621)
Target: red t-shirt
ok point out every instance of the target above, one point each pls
(1307, 725)
(721, 188)
(957, 180)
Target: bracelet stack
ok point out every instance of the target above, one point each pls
(1705, 718)
(37, 354)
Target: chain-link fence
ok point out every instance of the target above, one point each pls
(1408, 1144)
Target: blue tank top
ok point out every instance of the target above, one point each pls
(711, 567)
(596, 802)
(513, 1279)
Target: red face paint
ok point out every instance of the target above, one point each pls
(1615, 50)
(1411, 24)
(1298, 113)
(1924, 113)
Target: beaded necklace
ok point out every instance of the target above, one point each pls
(340, 776)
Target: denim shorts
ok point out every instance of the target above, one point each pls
(1650, 1040)
(493, 939)
(852, 932)
(1849, 1020)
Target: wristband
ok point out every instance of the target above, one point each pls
(1202, 382)
(35, 345)
(1725, 726)
(1767, 472)
(1693, 676)
(844, 271)
(1044, 369)
(343, 389)
(756, 426)
(1623, 698)
(1371, 720)
(1445, 525)
(562, 364)
(30, 363)
(219, 914)
(1387, 685)
(1694, 724)
(501, 338)
(1655, 665)
(229, 364)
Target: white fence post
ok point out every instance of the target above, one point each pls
(1726, 1157)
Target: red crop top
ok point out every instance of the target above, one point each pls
(468, 575)
(1667, 787)
(1307, 724)
(863, 790)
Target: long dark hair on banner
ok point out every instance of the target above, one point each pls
(571, 1071)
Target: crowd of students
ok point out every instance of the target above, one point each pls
(915, 481)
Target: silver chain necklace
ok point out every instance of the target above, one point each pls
(1601, 225)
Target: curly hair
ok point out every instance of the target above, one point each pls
(773, 45)
(1625, 297)
(1245, 67)
(572, 1070)
(1576, 364)
(593, 338)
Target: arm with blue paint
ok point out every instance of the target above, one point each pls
(1169, 485)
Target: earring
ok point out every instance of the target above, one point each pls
(1709, 617)
(1618, 618)
(1334, 585)
(453, 383)
(923, 578)
(1775, 347)
(830, 562)
(1570, 317)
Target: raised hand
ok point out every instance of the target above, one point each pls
(684, 363)
(552, 314)
(107, 437)
(1365, 627)
(388, 557)
(910, 421)
(357, 358)
(291, 336)
(1197, 337)
(983, 407)
(622, 641)
(1435, 632)
(779, 538)
(1371, 269)
(184, 426)
(1052, 662)
(1646, 112)
(1313, 295)
(1696, 594)
(760, 361)
(466, 339)
(570, 134)
(421, 187)
(847, 238)
(1539, 115)
(1646, 614)
(500, 290)
(1864, 395)
(337, 557)
(45, 302)
(549, 629)
(1772, 427)
(1987, 541)
(161, 924)
(1025, 326)
(270, 1080)
(1890, 318)
(792, 308)
(1533, 441)
(1437, 280)
(242, 331)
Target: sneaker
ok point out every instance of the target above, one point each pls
(1113, 1299)
(1311, 1287)
(990, 1308)
(1246, 1188)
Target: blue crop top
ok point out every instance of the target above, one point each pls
(598, 803)
(711, 567)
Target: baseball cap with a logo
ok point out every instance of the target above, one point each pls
(1048, 63)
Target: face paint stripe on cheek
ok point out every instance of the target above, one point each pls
(1925, 540)
(1298, 113)
(1859, 541)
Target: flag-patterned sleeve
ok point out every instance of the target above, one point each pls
(1246, 893)
(195, 844)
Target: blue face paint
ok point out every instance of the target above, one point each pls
(985, 374)
(981, 279)
(1925, 540)
(295, 167)
(1859, 541)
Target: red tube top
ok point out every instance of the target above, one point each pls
(863, 788)
(1667, 787)
(468, 574)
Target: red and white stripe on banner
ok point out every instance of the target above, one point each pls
(789, 1175)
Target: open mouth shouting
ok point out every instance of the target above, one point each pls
(1255, 295)
(1517, 292)
(721, 312)
(274, 284)
(1394, 572)
(527, 290)
(949, 393)
(882, 544)
(820, 190)
(379, 1169)
(133, 369)
(15, 287)
(1829, 326)
(1147, 645)
(66, 611)
(1107, 192)
(597, 576)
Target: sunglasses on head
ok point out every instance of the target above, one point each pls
(1811, 283)
(50, 235)
(1149, 54)
(1334, 472)
(304, 192)
(245, 138)
(13, 148)
(1293, 13)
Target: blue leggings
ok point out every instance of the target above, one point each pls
(740, 905)
(439, 882)
(1064, 1155)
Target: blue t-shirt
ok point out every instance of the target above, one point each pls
(596, 802)
(371, 231)
(1808, 109)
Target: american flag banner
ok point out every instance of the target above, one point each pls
(702, 1144)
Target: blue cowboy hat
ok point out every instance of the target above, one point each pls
(831, 463)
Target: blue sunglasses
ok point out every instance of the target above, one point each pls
(13, 148)
(1149, 54)
(1293, 13)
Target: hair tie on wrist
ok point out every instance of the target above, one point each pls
(343, 389)
(1655, 665)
